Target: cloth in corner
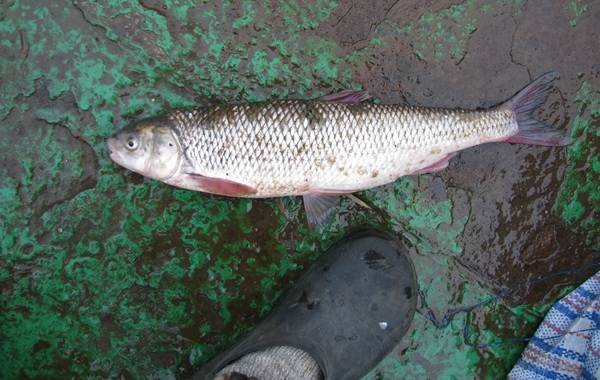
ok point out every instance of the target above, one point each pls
(566, 345)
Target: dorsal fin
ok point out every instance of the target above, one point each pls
(346, 97)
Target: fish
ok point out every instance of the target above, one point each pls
(319, 149)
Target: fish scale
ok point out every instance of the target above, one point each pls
(292, 147)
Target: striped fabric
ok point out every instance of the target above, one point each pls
(567, 343)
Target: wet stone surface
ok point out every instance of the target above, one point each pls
(105, 274)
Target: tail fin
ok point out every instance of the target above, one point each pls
(524, 103)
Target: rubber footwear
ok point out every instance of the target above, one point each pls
(347, 311)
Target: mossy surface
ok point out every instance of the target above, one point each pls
(104, 274)
(578, 203)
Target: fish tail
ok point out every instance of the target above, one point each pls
(523, 104)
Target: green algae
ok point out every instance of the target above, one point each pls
(412, 212)
(576, 8)
(99, 292)
(442, 350)
(449, 31)
(125, 268)
(484, 339)
(578, 202)
(246, 19)
(443, 34)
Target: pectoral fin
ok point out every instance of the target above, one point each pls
(222, 186)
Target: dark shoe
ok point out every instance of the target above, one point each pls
(347, 311)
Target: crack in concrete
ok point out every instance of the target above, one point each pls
(374, 25)
(84, 184)
(163, 13)
(24, 51)
(466, 50)
(4, 8)
(469, 196)
(85, 17)
(386, 14)
(344, 15)
(512, 43)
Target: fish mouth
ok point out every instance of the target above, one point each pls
(113, 151)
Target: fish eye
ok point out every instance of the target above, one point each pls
(131, 143)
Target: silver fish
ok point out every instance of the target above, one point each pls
(319, 149)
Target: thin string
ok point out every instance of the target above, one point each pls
(450, 314)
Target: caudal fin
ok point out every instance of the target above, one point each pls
(532, 131)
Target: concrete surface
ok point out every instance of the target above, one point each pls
(105, 274)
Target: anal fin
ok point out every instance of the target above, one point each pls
(319, 206)
(436, 166)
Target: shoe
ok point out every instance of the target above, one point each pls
(348, 311)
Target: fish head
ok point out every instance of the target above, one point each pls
(148, 147)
